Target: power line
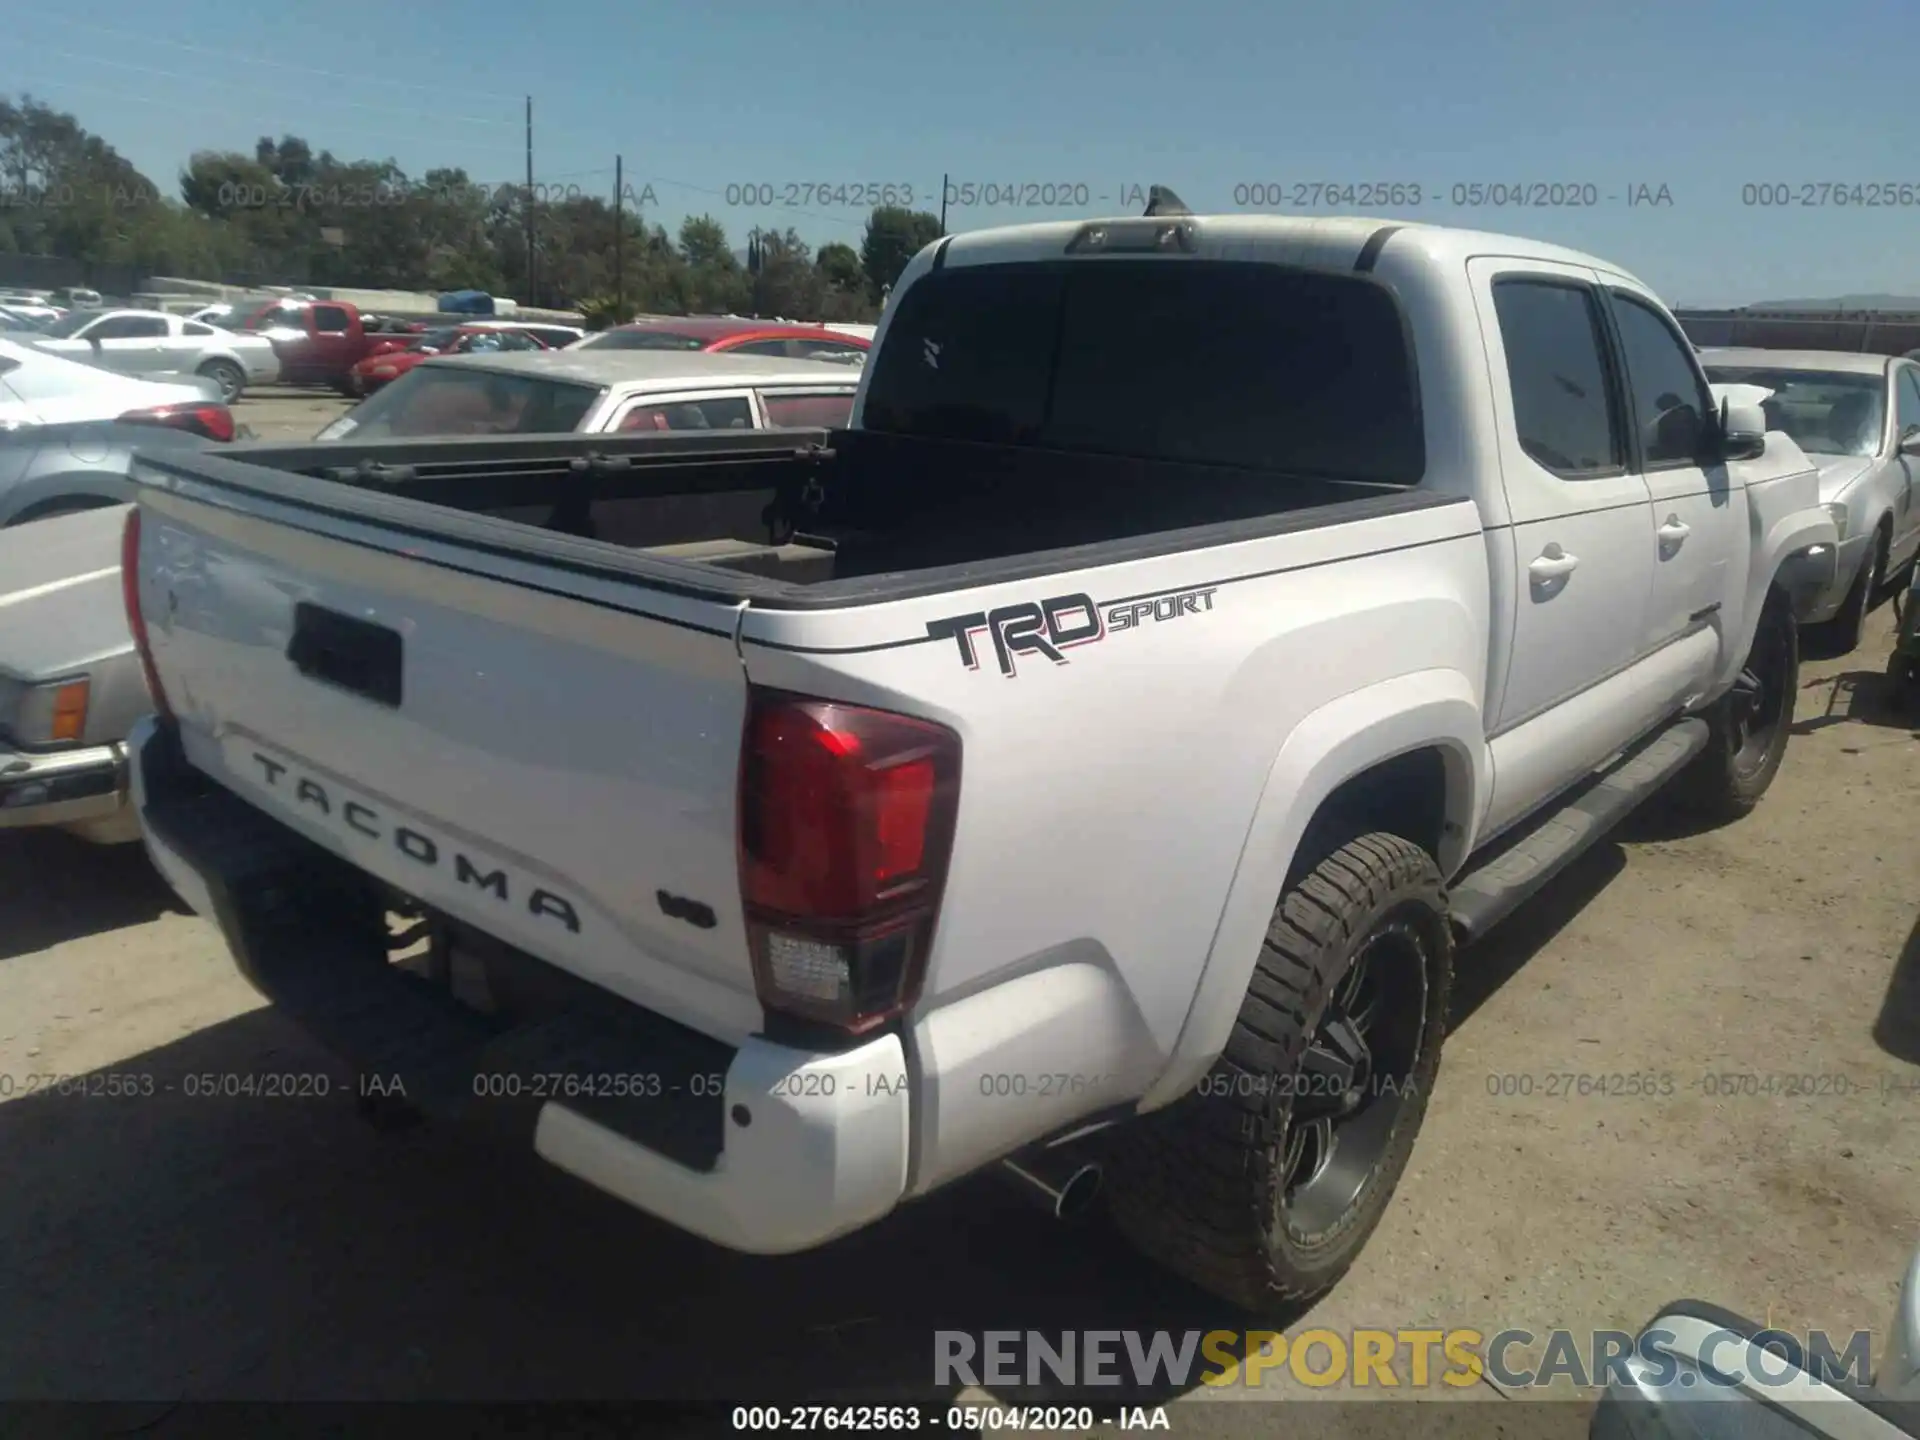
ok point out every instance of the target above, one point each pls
(202, 80)
(44, 83)
(145, 39)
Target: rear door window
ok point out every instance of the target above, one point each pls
(1212, 362)
(718, 412)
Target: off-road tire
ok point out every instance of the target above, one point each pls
(1714, 786)
(1195, 1185)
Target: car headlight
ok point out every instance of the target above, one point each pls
(52, 714)
(1839, 514)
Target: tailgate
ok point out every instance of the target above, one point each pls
(550, 755)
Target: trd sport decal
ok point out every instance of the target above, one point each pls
(1048, 628)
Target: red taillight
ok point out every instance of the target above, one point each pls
(136, 622)
(846, 822)
(215, 422)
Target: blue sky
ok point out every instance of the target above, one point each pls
(1207, 97)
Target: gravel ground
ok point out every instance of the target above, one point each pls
(169, 1248)
(281, 412)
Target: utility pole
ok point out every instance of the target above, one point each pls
(943, 202)
(619, 242)
(532, 294)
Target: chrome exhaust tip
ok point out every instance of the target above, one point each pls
(1066, 1190)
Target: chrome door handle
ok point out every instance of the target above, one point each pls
(1554, 564)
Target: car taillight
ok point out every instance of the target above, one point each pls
(136, 622)
(215, 422)
(846, 824)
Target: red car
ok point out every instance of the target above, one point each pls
(734, 336)
(376, 370)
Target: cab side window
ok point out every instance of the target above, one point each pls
(1670, 400)
(1563, 403)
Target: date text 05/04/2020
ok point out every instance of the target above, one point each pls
(1459, 194)
(998, 1083)
(827, 193)
(963, 1419)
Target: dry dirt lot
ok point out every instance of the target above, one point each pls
(171, 1248)
(281, 412)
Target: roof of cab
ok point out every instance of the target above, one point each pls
(664, 367)
(1329, 242)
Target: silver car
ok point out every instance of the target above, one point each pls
(71, 684)
(1858, 419)
(153, 345)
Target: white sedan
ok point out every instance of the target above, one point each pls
(592, 391)
(152, 344)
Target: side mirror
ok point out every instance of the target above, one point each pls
(1743, 431)
(1910, 440)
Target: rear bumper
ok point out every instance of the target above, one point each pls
(1816, 579)
(766, 1148)
(83, 790)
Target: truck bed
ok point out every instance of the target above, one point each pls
(788, 517)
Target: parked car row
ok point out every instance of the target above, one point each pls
(393, 358)
(733, 336)
(506, 391)
(154, 344)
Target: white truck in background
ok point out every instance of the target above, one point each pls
(1089, 760)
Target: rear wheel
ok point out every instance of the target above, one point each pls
(1749, 725)
(228, 376)
(1264, 1183)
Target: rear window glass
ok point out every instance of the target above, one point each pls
(449, 400)
(807, 411)
(1216, 362)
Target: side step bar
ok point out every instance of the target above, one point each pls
(1497, 886)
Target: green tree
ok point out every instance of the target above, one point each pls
(839, 266)
(894, 236)
(74, 195)
(288, 212)
(703, 242)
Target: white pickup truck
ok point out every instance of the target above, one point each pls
(1091, 757)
